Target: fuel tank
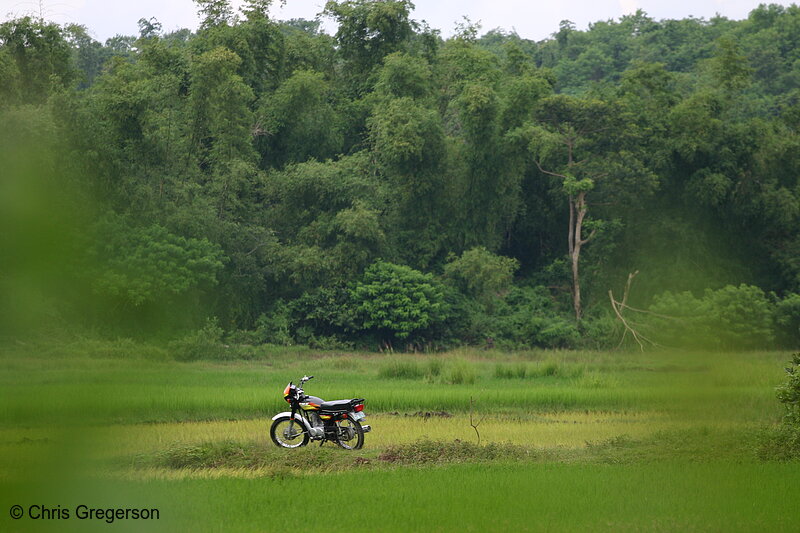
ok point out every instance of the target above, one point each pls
(312, 403)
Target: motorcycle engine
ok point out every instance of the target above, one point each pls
(317, 430)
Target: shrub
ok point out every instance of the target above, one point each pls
(789, 394)
(600, 332)
(787, 321)
(205, 343)
(784, 443)
(527, 317)
(322, 312)
(481, 274)
(275, 327)
(397, 301)
(741, 316)
(552, 332)
(731, 317)
(329, 342)
(149, 264)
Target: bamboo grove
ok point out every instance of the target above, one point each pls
(261, 181)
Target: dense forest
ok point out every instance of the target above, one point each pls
(260, 181)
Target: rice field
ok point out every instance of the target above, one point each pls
(568, 440)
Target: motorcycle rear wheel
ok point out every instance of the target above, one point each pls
(286, 436)
(350, 434)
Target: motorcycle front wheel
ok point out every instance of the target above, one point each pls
(288, 435)
(349, 434)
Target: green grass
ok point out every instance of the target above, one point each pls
(575, 441)
(654, 497)
(44, 390)
(668, 496)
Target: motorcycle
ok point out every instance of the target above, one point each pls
(313, 418)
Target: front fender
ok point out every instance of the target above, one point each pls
(297, 416)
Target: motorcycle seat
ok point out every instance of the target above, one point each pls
(336, 405)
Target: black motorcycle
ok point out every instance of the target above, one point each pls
(313, 418)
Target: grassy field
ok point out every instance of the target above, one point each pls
(569, 441)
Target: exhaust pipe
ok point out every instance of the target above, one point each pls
(366, 429)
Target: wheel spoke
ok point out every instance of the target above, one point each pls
(349, 434)
(288, 433)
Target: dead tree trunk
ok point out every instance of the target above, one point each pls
(577, 213)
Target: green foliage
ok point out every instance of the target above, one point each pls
(409, 140)
(481, 274)
(524, 318)
(600, 332)
(220, 102)
(148, 264)
(730, 68)
(327, 215)
(203, 344)
(398, 301)
(490, 178)
(784, 443)
(9, 78)
(789, 394)
(297, 122)
(368, 31)
(323, 313)
(730, 317)
(258, 161)
(404, 76)
(41, 54)
(275, 327)
(787, 320)
(214, 12)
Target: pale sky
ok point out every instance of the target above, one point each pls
(536, 19)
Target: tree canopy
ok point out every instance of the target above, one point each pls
(431, 190)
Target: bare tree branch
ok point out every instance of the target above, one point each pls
(562, 176)
(471, 421)
(589, 238)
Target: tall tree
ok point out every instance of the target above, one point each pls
(368, 31)
(585, 144)
(42, 56)
(213, 13)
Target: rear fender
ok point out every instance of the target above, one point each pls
(297, 416)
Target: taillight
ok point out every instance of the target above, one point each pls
(358, 408)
